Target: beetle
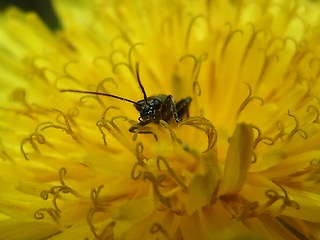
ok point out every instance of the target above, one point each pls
(151, 109)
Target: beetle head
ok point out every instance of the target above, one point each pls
(148, 108)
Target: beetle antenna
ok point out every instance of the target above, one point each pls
(140, 84)
(99, 93)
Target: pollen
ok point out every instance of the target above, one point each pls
(161, 120)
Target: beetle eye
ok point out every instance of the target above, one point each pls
(156, 102)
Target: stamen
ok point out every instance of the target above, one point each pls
(194, 59)
(142, 130)
(308, 93)
(65, 120)
(33, 137)
(67, 75)
(286, 199)
(195, 75)
(62, 173)
(107, 109)
(124, 118)
(164, 200)
(315, 163)
(196, 83)
(280, 127)
(3, 154)
(296, 129)
(196, 70)
(172, 133)
(101, 124)
(56, 195)
(23, 142)
(129, 65)
(254, 157)
(293, 230)
(160, 179)
(40, 70)
(228, 39)
(248, 211)
(95, 60)
(107, 232)
(90, 214)
(56, 190)
(113, 53)
(170, 171)
(156, 228)
(314, 173)
(205, 125)
(73, 112)
(274, 196)
(65, 69)
(316, 110)
(253, 37)
(135, 135)
(19, 95)
(266, 64)
(248, 99)
(100, 87)
(139, 149)
(191, 24)
(196, 88)
(123, 37)
(94, 195)
(45, 193)
(92, 96)
(113, 129)
(67, 129)
(270, 141)
(53, 213)
(133, 176)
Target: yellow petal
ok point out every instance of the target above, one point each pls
(15, 229)
(203, 187)
(238, 160)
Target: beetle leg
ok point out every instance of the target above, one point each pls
(149, 132)
(135, 129)
(169, 110)
(183, 107)
(141, 123)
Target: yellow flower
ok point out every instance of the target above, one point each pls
(245, 164)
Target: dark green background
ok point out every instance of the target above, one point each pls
(42, 7)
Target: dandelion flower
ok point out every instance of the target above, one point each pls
(243, 165)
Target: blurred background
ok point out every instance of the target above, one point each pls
(42, 7)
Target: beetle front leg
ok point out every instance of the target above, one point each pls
(141, 123)
(135, 129)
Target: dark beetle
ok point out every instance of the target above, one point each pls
(161, 107)
(151, 109)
